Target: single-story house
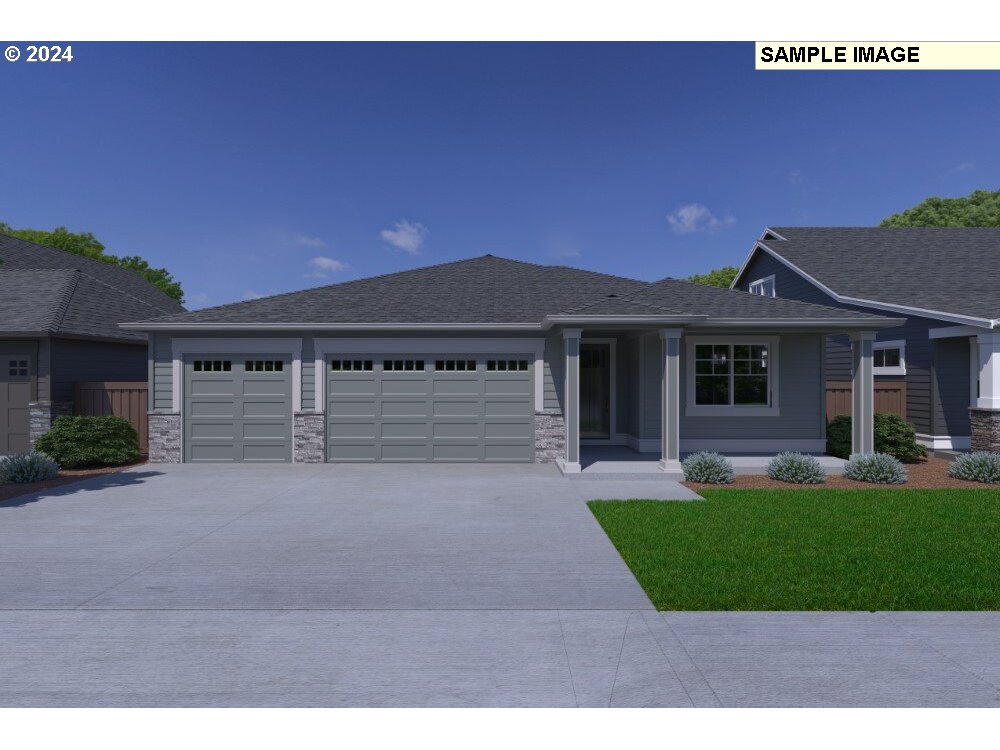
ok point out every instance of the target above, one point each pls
(59, 316)
(499, 360)
(944, 281)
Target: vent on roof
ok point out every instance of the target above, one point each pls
(611, 295)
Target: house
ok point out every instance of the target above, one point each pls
(944, 281)
(59, 316)
(496, 360)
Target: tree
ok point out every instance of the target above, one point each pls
(86, 244)
(721, 277)
(981, 208)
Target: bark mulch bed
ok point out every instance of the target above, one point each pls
(66, 476)
(928, 474)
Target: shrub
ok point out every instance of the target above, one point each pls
(892, 435)
(709, 468)
(27, 467)
(90, 441)
(796, 468)
(876, 468)
(979, 466)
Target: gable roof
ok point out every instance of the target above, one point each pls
(494, 292)
(47, 291)
(952, 273)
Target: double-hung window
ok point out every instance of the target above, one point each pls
(736, 377)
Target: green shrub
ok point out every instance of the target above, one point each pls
(709, 468)
(978, 466)
(892, 435)
(76, 442)
(797, 468)
(27, 467)
(876, 468)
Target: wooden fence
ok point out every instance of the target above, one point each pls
(120, 399)
(890, 398)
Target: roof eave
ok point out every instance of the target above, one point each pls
(207, 327)
(552, 320)
(836, 324)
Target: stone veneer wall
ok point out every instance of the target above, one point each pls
(550, 436)
(309, 438)
(985, 429)
(41, 415)
(165, 438)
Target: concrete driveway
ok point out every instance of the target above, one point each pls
(414, 586)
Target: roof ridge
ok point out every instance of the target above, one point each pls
(62, 304)
(122, 292)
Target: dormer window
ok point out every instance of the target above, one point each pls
(763, 287)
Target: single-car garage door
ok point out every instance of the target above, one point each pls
(238, 408)
(448, 407)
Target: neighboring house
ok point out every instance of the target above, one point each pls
(497, 360)
(944, 281)
(59, 316)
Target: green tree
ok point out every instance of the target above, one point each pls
(721, 277)
(981, 208)
(86, 244)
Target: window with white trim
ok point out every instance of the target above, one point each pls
(763, 287)
(732, 376)
(889, 357)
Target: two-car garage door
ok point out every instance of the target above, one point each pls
(446, 407)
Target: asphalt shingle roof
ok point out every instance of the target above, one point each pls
(496, 290)
(948, 269)
(44, 290)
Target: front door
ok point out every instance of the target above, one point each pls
(595, 391)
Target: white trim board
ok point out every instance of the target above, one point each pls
(945, 442)
(324, 347)
(893, 344)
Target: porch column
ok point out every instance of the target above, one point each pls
(984, 417)
(571, 401)
(862, 393)
(670, 399)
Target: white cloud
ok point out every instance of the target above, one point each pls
(304, 240)
(251, 294)
(406, 236)
(561, 249)
(694, 217)
(965, 166)
(794, 176)
(322, 267)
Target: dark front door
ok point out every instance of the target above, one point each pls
(595, 391)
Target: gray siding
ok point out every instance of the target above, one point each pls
(951, 387)
(308, 374)
(162, 385)
(800, 396)
(922, 410)
(75, 361)
(555, 371)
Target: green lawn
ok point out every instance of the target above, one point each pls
(813, 549)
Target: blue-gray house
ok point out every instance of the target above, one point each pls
(944, 281)
(498, 360)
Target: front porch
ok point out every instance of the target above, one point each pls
(637, 402)
(619, 461)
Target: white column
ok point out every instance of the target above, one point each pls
(862, 393)
(989, 370)
(670, 399)
(570, 464)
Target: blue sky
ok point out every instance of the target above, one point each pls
(254, 169)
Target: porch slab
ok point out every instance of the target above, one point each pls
(619, 463)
